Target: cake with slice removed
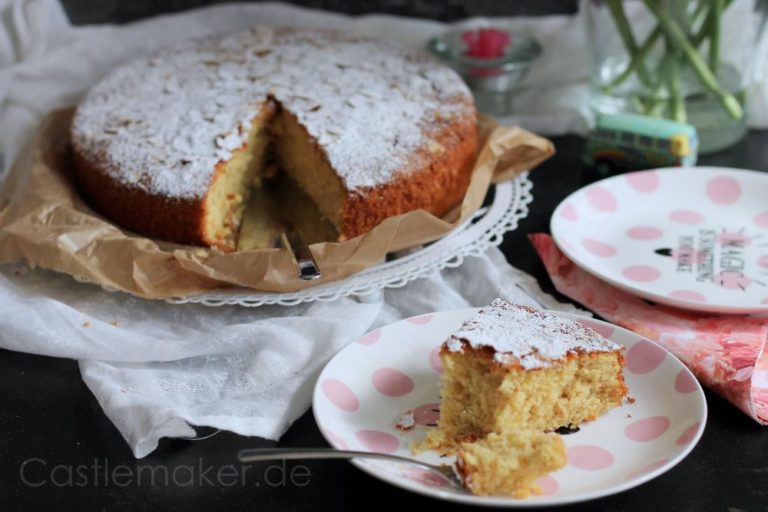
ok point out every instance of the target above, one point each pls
(169, 145)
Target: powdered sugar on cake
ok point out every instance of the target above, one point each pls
(523, 335)
(163, 122)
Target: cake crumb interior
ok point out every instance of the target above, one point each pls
(509, 464)
(304, 162)
(480, 396)
(276, 137)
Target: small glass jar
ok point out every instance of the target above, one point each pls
(492, 60)
(684, 60)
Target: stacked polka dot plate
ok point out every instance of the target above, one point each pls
(366, 389)
(693, 238)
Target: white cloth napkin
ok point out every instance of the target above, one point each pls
(159, 369)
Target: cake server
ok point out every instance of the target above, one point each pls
(301, 254)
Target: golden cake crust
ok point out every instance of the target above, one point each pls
(436, 187)
(177, 220)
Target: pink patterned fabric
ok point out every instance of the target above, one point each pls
(728, 353)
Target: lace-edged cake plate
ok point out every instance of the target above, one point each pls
(485, 229)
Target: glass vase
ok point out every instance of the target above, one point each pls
(677, 59)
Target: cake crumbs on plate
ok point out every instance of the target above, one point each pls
(406, 422)
(86, 324)
(114, 323)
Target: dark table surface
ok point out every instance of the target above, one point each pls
(50, 420)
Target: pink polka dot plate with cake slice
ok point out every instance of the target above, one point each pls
(381, 393)
(693, 238)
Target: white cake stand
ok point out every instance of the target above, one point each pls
(485, 229)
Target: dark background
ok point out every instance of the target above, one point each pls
(113, 11)
(47, 412)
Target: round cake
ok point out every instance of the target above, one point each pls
(170, 145)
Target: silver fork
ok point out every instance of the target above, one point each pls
(446, 472)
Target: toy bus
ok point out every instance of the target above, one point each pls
(628, 142)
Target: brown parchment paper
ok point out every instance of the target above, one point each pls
(44, 220)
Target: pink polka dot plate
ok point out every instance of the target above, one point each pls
(693, 238)
(391, 376)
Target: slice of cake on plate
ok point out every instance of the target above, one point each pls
(512, 375)
(512, 367)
